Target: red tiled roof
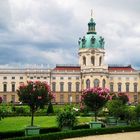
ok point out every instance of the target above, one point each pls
(121, 68)
(67, 68)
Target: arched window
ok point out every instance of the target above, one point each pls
(104, 82)
(61, 87)
(96, 83)
(84, 60)
(100, 61)
(135, 87)
(127, 87)
(111, 87)
(77, 86)
(93, 60)
(87, 83)
(119, 87)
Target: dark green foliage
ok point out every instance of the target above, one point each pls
(66, 118)
(81, 126)
(49, 130)
(137, 110)
(122, 97)
(50, 109)
(80, 133)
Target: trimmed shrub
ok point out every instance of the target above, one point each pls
(50, 109)
(79, 133)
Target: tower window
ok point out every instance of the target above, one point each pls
(84, 60)
(93, 60)
(100, 61)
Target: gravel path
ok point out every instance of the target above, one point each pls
(117, 136)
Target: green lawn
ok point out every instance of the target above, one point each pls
(19, 123)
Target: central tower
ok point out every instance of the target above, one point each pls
(91, 58)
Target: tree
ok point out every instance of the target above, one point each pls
(35, 95)
(95, 98)
(121, 96)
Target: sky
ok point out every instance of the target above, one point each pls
(46, 32)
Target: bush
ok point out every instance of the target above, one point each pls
(67, 118)
(50, 109)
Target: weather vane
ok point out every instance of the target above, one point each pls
(91, 13)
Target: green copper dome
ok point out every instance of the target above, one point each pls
(91, 40)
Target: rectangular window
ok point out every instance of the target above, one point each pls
(13, 98)
(38, 77)
(127, 87)
(77, 78)
(77, 98)
(135, 87)
(119, 87)
(13, 78)
(21, 78)
(45, 77)
(4, 98)
(61, 99)
(111, 87)
(31, 77)
(77, 87)
(61, 87)
(13, 87)
(4, 78)
(135, 98)
(53, 78)
(69, 87)
(4, 87)
(69, 98)
(61, 78)
(53, 87)
(69, 78)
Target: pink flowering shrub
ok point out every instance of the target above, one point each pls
(35, 94)
(95, 98)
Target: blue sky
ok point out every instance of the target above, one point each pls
(47, 31)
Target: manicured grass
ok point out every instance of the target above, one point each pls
(19, 123)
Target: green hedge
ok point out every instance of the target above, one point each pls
(21, 133)
(79, 133)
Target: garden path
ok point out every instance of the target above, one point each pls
(117, 136)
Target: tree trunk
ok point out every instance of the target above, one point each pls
(32, 117)
(95, 116)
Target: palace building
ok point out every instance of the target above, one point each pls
(67, 81)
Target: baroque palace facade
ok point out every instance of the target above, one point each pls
(67, 81)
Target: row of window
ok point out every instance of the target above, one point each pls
(5, 78)
(92, 60)
(96, 83)
(127, 78)
(127, 87)
(69, 78)
(69, 98)
(77, 84)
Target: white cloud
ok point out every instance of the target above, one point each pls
(50, 29)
